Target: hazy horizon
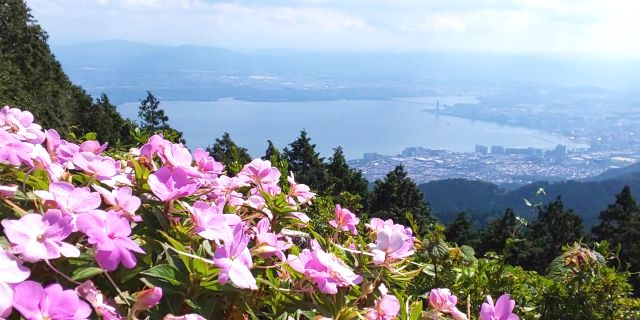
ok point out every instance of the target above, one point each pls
(593, 28)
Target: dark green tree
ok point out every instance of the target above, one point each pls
(494, 237)
(152, 118)
(103, 119)
(306, 163)
(554, 228)
(32, 79)
(620, 226)
(271, 151)
(397, 195)
(343, 178)
(461, 231)
(229, 153)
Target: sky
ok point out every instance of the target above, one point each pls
(567, 27)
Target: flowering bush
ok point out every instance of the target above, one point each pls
(162, 232)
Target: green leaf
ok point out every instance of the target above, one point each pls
(165, 272)
(85, 273)
(416, 311)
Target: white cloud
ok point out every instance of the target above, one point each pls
(529, 26)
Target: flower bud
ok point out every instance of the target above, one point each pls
(147, 299)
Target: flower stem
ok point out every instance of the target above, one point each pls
(60, 272)
(113, 283)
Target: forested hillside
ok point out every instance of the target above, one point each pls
(482, 201)
(31, 78)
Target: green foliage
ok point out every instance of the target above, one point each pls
(342, 178)
(154, 121)
(229, 153)
(31, 78)
(306, 163)
(460, 231)
(396, 195)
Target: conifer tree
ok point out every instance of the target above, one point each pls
(495, 236)
(396, 195)
(152, 118)
(229, 153)
(343, 178)
(554, 228)
(460, 230)
(306, 163)
(620, 226)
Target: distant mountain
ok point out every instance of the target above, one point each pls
(615, 173)
(483, 201)
(122, 68)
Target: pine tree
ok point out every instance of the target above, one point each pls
(271, 151)
(460, 231)
(494, 237)
(306, 163)
(152, 118)
(343, 178)
(620, 226)
(397, 195)
(554, 228)
(229, 153)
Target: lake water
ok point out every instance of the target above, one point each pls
(359, 126)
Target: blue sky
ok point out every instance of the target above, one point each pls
(584, 27)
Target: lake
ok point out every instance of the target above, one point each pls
(359, 126)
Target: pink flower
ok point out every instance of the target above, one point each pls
(387, 306)
(206, 164)
(14, 151)
(42, 161)
(93, 146)
(442, 301)
(8, 191)
(326, 270)
(106, 311)
(234, 261)
(260, 172)
(20, 125)
(267, 243)
(301, 192)
(393, 241)
(122, 201)
(191, 316)
(153, 145)
(147, 299)
(345, 220)
(110, 235)
(210, 223)
(171, 183)
(37, 303)
(38, 237)
(502, 310)
(103, 168)
(61, 151)
(68, 199)
(11, 272)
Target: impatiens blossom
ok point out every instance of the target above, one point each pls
(61, 151)
(37, 237)
(20, 125)
(206, 164)
(386, 306)
(106, 311)
(147, 299)
(171, 183)
(42, 161)
(326, 270)
(268, 243)
(110, 235)
(502, 310)
(69, 199)
(234, 261)
(51, 303)
(211, 223)
(11, 272)
(8, 191)
(442, 301)
(191, 316)
(393, 241)
(259, 172)
(345, 220)
(14, 151)
(299, 191)
(102, 168)
(121, 201)
(93, 146)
